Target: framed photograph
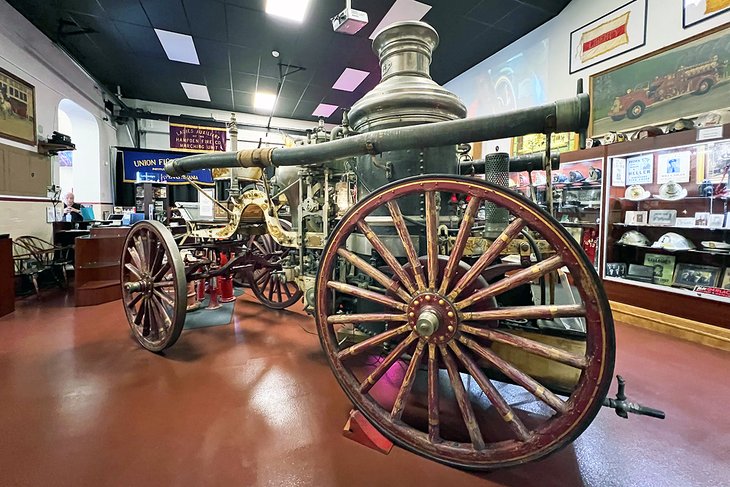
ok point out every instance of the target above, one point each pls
(690, 275)
(716, 220)
(17, 109)
(663, 267)
(696, 11)
(663, 86)
(617, 32)
(618, 172)
(673, 167)
(576, 233)
(529, 144)
(635, 218)
(615, 269)
(640, 170)
(684, 222)
(662, 218)
(726, 279)
(702, 219)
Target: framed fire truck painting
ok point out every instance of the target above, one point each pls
(17, 109)
(682, 80)
(617, 32)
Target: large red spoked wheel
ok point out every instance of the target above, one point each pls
(435, 377)
(154, 291)
(268, 282)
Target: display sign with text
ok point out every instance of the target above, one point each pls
(149, 165)
(197, 137)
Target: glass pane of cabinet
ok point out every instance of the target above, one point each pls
(666, 219)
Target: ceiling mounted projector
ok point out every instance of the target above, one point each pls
(349, 21)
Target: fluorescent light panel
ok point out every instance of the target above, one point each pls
(400, 11)
(196, 92)
(178, 47)
(350, 79)
(324, 110)
(287, 9)
(264, 101)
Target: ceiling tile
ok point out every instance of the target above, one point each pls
(167, 15)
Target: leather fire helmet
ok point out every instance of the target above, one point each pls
(680, 125)
(634, 238)
(648, 131)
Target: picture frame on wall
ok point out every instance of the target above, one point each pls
(696, 11)
(682, 80)
(17, 109)
(691, 275)
(726, 279)
(619, 31)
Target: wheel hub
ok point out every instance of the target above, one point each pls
(432, 317)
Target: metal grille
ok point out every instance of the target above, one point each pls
(496, 170)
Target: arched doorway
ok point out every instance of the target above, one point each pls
(79, 171)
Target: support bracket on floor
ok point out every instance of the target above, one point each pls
(359, 429)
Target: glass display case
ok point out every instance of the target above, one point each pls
(577, 195)
(666, 217)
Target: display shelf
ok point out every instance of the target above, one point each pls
(656, 164)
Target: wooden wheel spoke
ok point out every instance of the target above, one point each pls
(404, 234)
(519, 278)
(387, 362)
(278, 290)
(165, 283)
(467, 412)
(531, 346)
(163, 323)
(135, 257)
(133, 302)
(516, 375)
(433, 394)
(387, 256)
(366, 294)
(134, 270)
(432, 239)
(286, 290)
(364, 318)
(164, 297)
(504, 409)
(162, 271)
(371, 342)
(461, 239)
(488, 257)
(407, 385)
(138, 245)
(382, 279)
(139, 317)
(272, 283)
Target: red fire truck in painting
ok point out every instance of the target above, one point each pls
(697, 79)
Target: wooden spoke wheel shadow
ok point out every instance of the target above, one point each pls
(426, 377)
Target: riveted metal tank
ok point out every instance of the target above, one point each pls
(406, 95)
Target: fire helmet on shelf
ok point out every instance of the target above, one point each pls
(680, 125)
(576, 176)
(594, 174)
(673, 241)
(636, 192)
(714, 118)
(671, 191)
(648, 131)
(634, 238)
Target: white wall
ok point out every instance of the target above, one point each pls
(664, 27)
(30, 55)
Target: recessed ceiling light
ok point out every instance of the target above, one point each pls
(178, 47)
(275, 53)
(264, 101)
(196, 92)
(288, 9)
(324, 110)
(350, 79)
(400, 11)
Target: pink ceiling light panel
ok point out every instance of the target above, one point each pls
(350, 79)
(324, 110)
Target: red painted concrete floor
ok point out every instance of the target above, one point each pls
(254, 403)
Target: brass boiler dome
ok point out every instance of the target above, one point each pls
(406, 94)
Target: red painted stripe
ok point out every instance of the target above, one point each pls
(605, 37)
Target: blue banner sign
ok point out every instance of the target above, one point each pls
(148, 165)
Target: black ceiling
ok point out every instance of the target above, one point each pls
(234, 40)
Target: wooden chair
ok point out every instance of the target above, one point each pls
(33, 256)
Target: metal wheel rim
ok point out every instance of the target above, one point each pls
(154, 291)
(594, 379)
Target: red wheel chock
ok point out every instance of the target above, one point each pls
(359, 429)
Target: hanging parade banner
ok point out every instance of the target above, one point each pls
(199, 138)
(149, 165)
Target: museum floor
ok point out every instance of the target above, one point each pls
(254, 403)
